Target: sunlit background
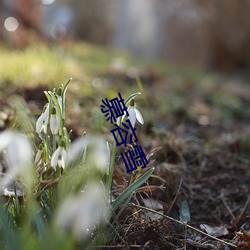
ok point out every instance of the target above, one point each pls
(190, 61)
(212, 34)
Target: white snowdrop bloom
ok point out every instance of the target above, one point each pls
(54, 121)
(59, 99)
(77, 148)
(101, 154)
(79, 214)
(5, 139)
(17, 152)
(42, 122)
(98, 152)
(59, 157)
(134, 114)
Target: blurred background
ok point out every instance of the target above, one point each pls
(190, 59)
(211, 34)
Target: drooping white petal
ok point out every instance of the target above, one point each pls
(59, 158)
(19, 151)
(101, 155)
(18, 156)
(139, 116)
(46, 112)
(98, 152)
(77, 148)
(59, 99)
(54, 124)
(62, 161)
(117, 121)
(55, 156)
(5, 139)
(132, 115)
(39, 123)
(42, 121)
(44, 127)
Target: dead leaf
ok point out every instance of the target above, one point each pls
(245, 236)
(183, 208)
(153, 204)
(215, 231)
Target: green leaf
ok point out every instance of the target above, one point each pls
(65, 87)
(140, 86)
(39, 222)
(47, 95)
(122, 209)
(185, 212)
(129, 190)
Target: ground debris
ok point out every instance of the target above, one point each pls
(245, 237)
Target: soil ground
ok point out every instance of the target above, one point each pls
(197, 136)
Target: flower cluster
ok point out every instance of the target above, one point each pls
(51, 115)
(52, 151)
(56, 151)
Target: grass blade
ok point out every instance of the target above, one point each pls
(122, 209)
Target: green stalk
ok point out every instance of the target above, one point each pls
(47, 140)
(112, 163)
(65, 87)
(54, 142)
(52, 95)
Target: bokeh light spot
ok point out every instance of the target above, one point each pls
(58, 31)
(11, 24)
(47, 2)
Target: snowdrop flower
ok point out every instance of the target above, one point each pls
(59, 157)
(54, 121)
(79, 214)
(39, 154)
(134, 114)
(98, 152)
(42, 122)
(17, 152)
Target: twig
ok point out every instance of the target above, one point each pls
(173, 202)
(185, 242)
(48, 185)
(117, 246)
(183, 224)
(239, 217)
(227, 207)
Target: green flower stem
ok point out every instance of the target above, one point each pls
(47, 137)
(54, 142)
(65, 87)
(46, 147)
(112, 163)
(66, 136)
